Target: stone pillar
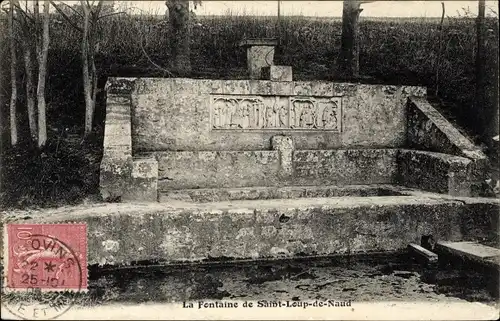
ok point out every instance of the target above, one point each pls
(285, 148)
(116, 164)
(260, 53)
(123, 178)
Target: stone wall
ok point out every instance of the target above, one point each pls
(428, 171)
(344, 166)
(171, 134)
(208, 169)
(187, 170)
(125, 233)
(216, 115)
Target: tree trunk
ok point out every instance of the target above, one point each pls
(178, 11)
(93, 50)
(486, 94)
(42, 51)
(26, 41)
(4, 80)
(13, 77)
(30, 90)
(348, 59)
(87, 86)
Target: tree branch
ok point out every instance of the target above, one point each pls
(95, 13)
(72, 9)
(20, 10)
(68, 19)
(149, 58)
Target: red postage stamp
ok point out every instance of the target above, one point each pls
(50, 257)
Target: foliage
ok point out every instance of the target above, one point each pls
(63, 172)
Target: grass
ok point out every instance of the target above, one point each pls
(403, 51)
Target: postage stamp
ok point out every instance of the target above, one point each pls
(45, 269)
(50, 257)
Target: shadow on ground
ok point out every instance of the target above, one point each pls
(384, 278)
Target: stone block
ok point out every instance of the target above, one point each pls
(259, 57)
(429, 130)
(302, 88)
(285, 148)
(114, 176)
(143, 181)
(207, 169)
(277, 73)
(344, 166)
(435, 172)
(120, 86)
(472, 251)
(260, 53)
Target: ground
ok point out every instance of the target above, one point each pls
(382, 277)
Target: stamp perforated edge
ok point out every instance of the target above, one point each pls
(5, 259)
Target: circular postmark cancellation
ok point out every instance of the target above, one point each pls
(45, 270)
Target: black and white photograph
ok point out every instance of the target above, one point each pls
(249, 160)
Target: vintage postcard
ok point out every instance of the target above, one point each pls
(284, 160)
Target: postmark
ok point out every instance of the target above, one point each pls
(45, 268)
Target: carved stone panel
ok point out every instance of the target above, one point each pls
(275, 113)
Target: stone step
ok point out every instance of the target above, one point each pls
(423, 254)
(485, 255)
(289, 192)
(179, 231)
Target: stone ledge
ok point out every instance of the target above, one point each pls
(203, 195)
(279, 167)
(180, 231)
(258, 42)
(267, 87)
(120, 85)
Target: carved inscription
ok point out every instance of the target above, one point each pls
(275, 112)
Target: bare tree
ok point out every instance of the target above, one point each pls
(486, 91)
(42, 48)
(178, 16)
(348, 59)
(90, 46)
(26, 41)
(13, 76)
(90, 16)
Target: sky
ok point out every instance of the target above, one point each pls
(427, 8)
